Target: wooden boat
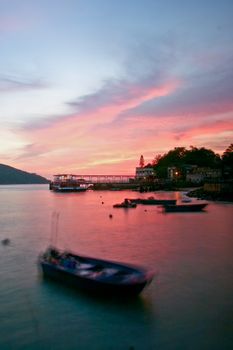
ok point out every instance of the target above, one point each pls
(185, 207)
(94, 275)
(153, 201)
(126, 204)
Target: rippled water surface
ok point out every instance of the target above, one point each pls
(189, 304)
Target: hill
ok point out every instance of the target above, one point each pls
(13, 176)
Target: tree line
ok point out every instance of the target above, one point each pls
(181, 158)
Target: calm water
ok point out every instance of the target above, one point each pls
(188, 306)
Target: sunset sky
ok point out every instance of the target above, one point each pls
(87, 86)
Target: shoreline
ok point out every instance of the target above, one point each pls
(200, 193)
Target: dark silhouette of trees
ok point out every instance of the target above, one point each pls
(181, 158)
(171, 159)
(227, 162)
(156, 160)
(202, 157)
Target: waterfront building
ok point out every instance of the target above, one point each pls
(143, 173)
(200, 174)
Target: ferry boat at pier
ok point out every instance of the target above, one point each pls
(68, 183)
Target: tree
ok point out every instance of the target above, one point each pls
(156, 160)
(141, 163)
(227, 161)
(173, 158)
(229, 151)
(202, 157)
(181, 158)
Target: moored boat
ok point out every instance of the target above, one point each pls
(152, 201)
(93, 275)
(155, 201)
(126, 204)
(69, 189)
(186, 200)
(68, 183)
(185, 207)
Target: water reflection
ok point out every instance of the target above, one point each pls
(138, 304)
(125, 323)
(191, 251)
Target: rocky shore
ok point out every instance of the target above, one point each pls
(200, 193)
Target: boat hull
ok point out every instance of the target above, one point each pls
(154, 201)
(158, 201)
(132, 205)
(68, 189)
(105, 286)
(91, 286)
(185, 208)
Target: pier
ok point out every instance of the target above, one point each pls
(95, 179)
(105, 182)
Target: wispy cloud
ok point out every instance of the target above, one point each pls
(10, 83)
(201, 94)
(139, 113)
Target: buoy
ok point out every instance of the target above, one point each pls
(6, 241)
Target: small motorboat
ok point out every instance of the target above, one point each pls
(186, 200)
(93, 275)
(126, 204)
(185, 207)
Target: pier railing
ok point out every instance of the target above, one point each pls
(95, 179)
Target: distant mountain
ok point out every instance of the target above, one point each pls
(13, 176)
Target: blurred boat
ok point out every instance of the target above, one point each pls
(94, 275)
(185, 207)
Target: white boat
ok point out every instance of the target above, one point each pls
(186, 200)
(68, 183)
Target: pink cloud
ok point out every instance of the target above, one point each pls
(101, 141)
(81, 140)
